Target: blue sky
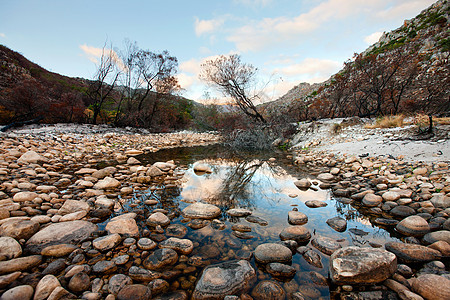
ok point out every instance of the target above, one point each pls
(289, 41)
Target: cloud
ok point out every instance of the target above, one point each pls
(94, 54)
(2, 35)
(311, 68)
(404, 9)
(253, 3)
(373, 38)
(207, 26)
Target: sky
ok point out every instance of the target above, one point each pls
(289, 41)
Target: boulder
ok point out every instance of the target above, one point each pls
(303, 184)
(22, 292)
(355, 265)
(60, 233)
(431, 287)
(9, 248)
(19, 229)
(372, 200)
(441, 235)
(107, 242)
(315, 203)
(412, 253)
(107, 183)
(31, 157)
(297, 218)
(125, 226)
(227, 278)
(182, 246)
(239, 212)
(24, 196)
(413, 226)
(134, 292)
(19, 264)
(161, 258)
(325, 245)
(71, 206)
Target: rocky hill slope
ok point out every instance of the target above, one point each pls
(407, 70)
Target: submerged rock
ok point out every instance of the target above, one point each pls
(227, 278)
(355, 265)
(325, 245)
(268, 289)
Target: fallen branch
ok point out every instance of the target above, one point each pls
(22, 123)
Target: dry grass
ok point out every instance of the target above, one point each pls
(387, 122)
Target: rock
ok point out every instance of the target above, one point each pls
(420, 171)
(268, 290)
(60, 233)
(133, 161)
(354, 265)
(440, 201)
(164, 166)
(60, 293)
(134, 152)
(298, 233)
(161, 258)
(337, 223)
(432, 287)
(238, 212)
(73, 216)
(31, 157)
(159, 286)
(117, 282)
(141, 274)
(22, 292)
(402, 211)
(19, 229)
(104, 267)
(154, 171)
(413, 226)
(325, 177)
(102, 173)
(107, 242)
(325, 245)
(6, 280)
(227, 278)
(107, 183)
(303, 184)
(271, 253)
(442, 247)
(312, 258)
(372, 200)
(58, 250)
(45, 287)
(71, 206)
(176, 230)
(126, 226)
(182, 246)
(24, 196)
(315, 203)
(158, 218)
(9, 248)
(280, 270)
(297, 218)
(258, 220)
(202, 168)
(391, 196)
(175, 295)
(19, 264)
(200, 210)
(412, 253)
(441, 235)
(134, 292)
(79, 282)
(146, 244)
(55, 267)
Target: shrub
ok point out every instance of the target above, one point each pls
(387, 122)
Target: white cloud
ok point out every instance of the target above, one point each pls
(311, 68)
(207, 26)
(404, 9)
(2, 35)
(373, 38)
(253, 3)
(94, 54)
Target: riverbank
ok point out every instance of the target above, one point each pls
(74, 225)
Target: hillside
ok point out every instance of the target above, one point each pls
(407, 70)
(28, 91)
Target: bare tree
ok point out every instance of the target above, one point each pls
(234, 79)
(105, 80)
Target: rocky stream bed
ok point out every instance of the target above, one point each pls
(75, 224)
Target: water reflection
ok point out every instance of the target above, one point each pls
(266, 187)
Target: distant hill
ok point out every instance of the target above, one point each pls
(407, 70)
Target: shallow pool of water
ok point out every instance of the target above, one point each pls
(266, 187)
